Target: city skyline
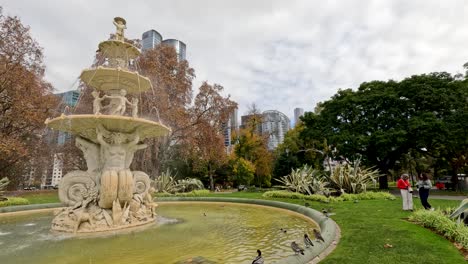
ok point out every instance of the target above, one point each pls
(275, 54)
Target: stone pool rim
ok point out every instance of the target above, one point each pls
(330, 230)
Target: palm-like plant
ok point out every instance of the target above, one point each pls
(3, 184)
(165, 182)
(351, 178)
(461, 213)
(304, 180)
(188, 185)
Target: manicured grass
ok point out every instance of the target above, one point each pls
(40, 197)
(368, 225)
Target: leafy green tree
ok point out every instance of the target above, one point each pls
(253, 147)
(244, 171)
(295, 152)
(382, 121)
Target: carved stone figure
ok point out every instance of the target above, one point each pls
(97, 102)
(118, 103)
(120, 25)
(134, 107)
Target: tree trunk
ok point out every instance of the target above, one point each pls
(383, 182)
(211, 182)
(455, 178)
(210, 174)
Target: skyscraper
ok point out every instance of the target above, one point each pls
(178, 45)
(234, 122)
(68, 99)
(228, 128)
(275, 124)
(150, 39)
(298, 112)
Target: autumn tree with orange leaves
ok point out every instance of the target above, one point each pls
(25, 99)
(196, 138)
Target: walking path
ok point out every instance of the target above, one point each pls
(434, 195)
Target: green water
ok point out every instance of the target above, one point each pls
(229, 233)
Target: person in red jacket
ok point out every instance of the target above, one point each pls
(406, 192)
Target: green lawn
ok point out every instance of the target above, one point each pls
(366, 227)
(40, 197)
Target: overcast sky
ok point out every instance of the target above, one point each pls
(277, 54)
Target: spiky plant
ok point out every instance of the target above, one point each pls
(461, 213)
(304, 180)
(352, 178)
(188, 185)
(165, 182)
(3, 184)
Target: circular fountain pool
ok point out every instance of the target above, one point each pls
(219, 232)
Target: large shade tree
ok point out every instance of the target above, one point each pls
(383, 121)
(26, 99)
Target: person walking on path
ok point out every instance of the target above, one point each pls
(406, 192)
(424, 185)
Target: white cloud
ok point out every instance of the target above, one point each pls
(278, 54)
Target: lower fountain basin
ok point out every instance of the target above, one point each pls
(212, 232)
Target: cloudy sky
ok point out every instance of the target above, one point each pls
(277, 54)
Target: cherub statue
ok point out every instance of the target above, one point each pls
(134, 107)
(120, 25)
(97, 102)
(118, 103)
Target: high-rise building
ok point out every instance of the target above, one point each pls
(230, 126)
(233, 117)
(298, 112)
(69, 98)
(150, 39)
(275, 124)
(52, 177)
(179, 47)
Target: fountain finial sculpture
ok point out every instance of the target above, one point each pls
(120, 25)
(109, 195)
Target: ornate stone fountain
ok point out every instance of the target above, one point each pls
(108, 195)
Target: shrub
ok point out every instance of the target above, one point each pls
(14, 201)
(349, 178)
(195, 193)
(367, 196)
(165, 182)
(443, 225)
(304, 180)
(322, 198)
(3, 184)
(188, 185)
(461, 213)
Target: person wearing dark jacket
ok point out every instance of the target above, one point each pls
(424, 185)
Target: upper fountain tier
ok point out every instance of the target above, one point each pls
(105, 79)
(114, 73)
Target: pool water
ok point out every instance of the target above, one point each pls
(218, 232)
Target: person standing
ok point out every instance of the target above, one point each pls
(406, 192)
(424, 185)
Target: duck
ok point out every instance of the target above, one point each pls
(259, 258)
(318, 235)
(296, 248)
(307, 241)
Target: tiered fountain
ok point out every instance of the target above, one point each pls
(108, 196)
